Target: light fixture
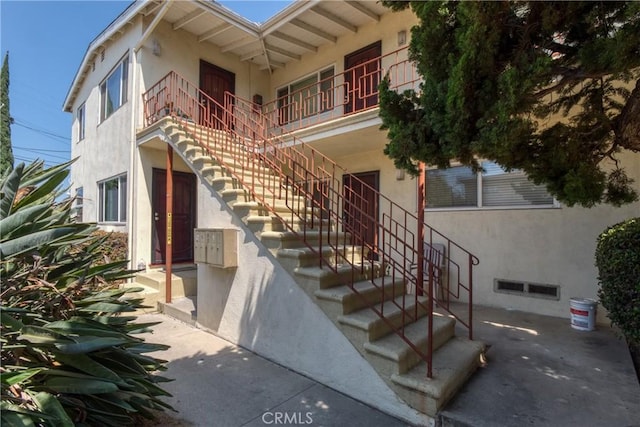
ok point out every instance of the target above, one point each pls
(155, 47)
(399, 174)
(402, 37)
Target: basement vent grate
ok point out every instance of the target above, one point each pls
(536, 290)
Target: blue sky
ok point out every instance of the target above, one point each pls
(46, 41)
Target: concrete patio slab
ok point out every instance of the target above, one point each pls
(541, 372)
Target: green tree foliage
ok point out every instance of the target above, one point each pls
(494, 73)
(6, 152)
(70, 354)
(618, 262)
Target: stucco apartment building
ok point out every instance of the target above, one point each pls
(269, 134)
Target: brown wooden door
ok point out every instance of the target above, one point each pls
(184, 216)
(214, 82)
(361, 206)
(362, 77)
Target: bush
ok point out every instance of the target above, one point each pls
(115, 247)
(618, 262)
(69, 356)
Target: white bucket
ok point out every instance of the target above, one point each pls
(583, 314)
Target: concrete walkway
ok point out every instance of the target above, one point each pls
(539, 372)
(220, 384)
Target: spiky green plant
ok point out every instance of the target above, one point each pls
(69, 354)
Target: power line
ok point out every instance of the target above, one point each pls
(43, 131)
(36, 151)
(41, 149)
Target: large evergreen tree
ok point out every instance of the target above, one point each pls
(6, 152)
(498, 74)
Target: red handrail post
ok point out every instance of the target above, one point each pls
(169, 217)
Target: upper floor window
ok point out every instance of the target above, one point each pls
(112, 199)
(306, 97)
(81, 122)
(113, 90)
(460, 187)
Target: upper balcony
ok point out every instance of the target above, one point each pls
(327, 109)
(334, 99)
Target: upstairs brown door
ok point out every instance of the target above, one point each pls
(361, 206)
(184, 216)
(214, 82)
(362, 77)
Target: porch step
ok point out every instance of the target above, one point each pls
(183, 309)
(150, 296)
(183, 283)
(453, 364)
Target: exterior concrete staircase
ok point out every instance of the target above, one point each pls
(454, 358)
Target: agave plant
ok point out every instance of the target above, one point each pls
(70, 354)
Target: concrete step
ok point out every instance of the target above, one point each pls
(340, 300)
(245, 209)
(365, 325)
(392, 355)
(293, 258)
(260, 224)
(183, 283)
(291, 240)
(148, 294)
(453, 364)
(313, 278)
(183, 309)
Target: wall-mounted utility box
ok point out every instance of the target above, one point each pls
(217, 247)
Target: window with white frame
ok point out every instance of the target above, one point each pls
(460, 187)
(79, 202)
(81, 121)
(112, 199)
(306, 97)
(113, 90)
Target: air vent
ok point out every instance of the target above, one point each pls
(503, 285)
(536, 290)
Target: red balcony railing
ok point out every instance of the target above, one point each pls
(366, 231)
(337, 95)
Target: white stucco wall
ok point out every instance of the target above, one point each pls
(105, 150)
(549, 246)
(181, 52)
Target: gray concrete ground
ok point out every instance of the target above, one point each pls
(539, 372)
(220, 384)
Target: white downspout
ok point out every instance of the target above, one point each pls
(133, 186)
(134, 251)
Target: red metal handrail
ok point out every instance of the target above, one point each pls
(352, 91)
(276, 171)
